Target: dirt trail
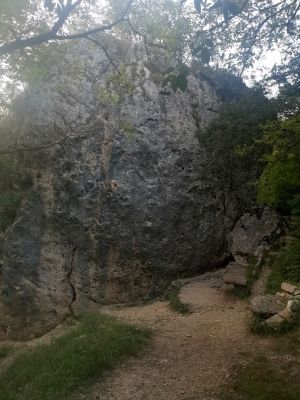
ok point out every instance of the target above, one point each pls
(192, 356)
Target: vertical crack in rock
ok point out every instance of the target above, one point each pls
(69, 278)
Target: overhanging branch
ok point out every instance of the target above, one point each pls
(52, 35)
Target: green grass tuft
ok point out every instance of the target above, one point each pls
(73, 361)
(175, 303)
(240, 292)
(262, 379)
(5, 351)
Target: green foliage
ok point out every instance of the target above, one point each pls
(279, 184)
(177, 78)
(175, 303)
(5, 351)
(263, 379)
(286, 267)
(10, 193)
(74, 360)
(240, 292)
(258, 326)
(118, 85)
(239, 124)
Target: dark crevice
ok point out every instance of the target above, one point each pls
(69, 276)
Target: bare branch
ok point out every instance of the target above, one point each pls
(52, 35)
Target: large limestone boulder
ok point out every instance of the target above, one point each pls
(122, 205)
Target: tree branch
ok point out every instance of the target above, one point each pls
(52, 35)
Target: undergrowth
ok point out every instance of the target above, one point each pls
(263, 379)
(286, 266)
(258, 327)
(74, 360)
(175, 303)
(5, 351)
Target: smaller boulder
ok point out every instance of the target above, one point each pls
(258, 229)
(275, 321)
(287, 314)
(284, 295)
(235, 274)
(288, 288)
(267, 305)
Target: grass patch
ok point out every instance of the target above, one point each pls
(239, 292)
(262, 379)
(5, 351)
(286, 267)
(73, 361)
(175, 303)
(257, 326)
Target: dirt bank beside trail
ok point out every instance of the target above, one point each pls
(192, 356)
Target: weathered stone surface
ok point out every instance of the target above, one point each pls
(293, 305)
(284, 295)
(236, 274)
(267, 305)
(257, 229)
(275, 321)
(287, 287)
(126, 202)
(287, 314)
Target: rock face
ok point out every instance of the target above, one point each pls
(122, 205)
(235, 274)
(259, 228)
(267, 305)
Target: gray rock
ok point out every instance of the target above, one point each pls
(287, 287)
(287, 314)
(236, 274)
(267, 305)
(124, 205)
(258, 229)
(293, 305)
(275, 321)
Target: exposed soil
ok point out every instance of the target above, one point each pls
(192, 356)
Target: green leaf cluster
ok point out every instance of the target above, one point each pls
(177, 77)
(117, 86)
(237, 128)
(279, 184)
